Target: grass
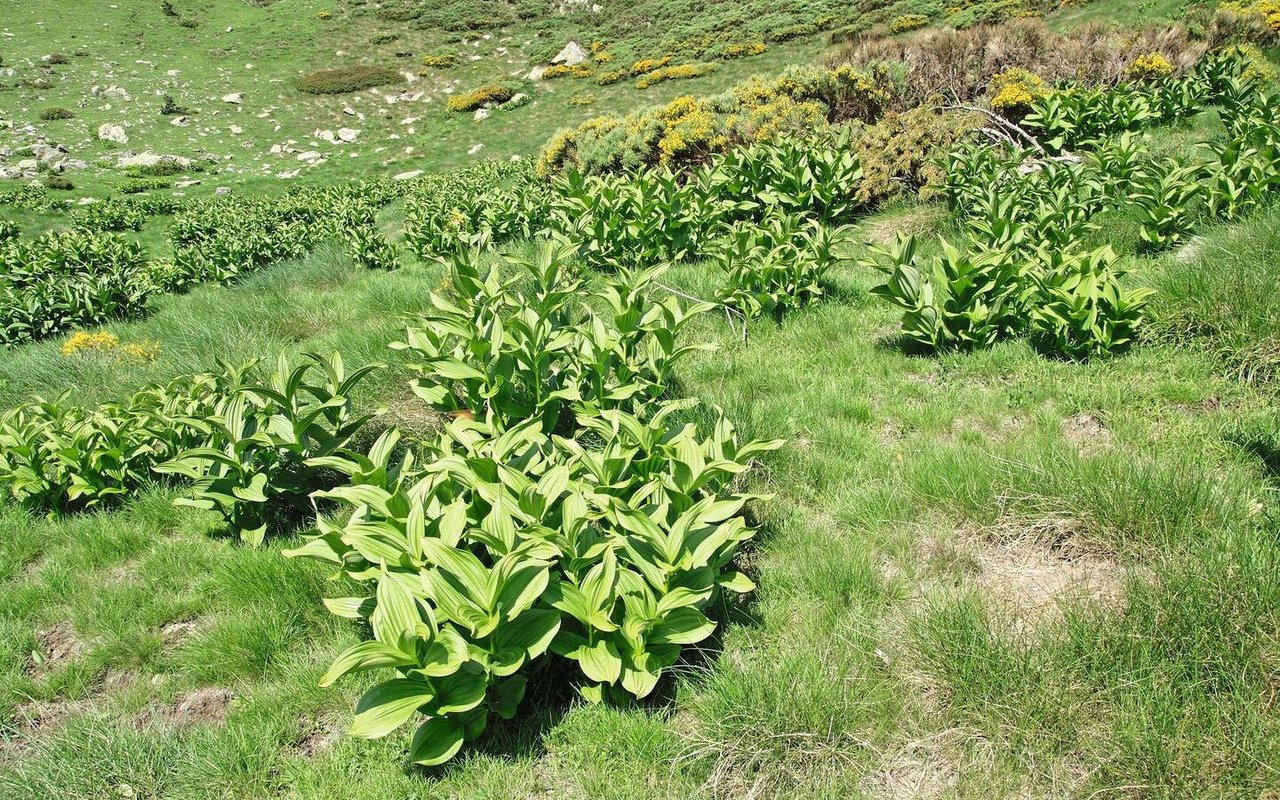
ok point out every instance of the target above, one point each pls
(892, 644)
(980, 575)
(263, 51)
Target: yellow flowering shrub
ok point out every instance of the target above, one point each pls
(689, 130)
(588, 99)
(566, 71)
(781, 116)
(690, 133)
(493, 94)
(1268, 11)
(1149, 67)
(649, 65)
(325, 15)
(606, 78)
(1013, 91)
(678, 72)
(908, 22)
(440, 60)
(744, 50)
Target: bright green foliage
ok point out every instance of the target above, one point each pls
(258, 464)
(498, 201)
(506, 353)
(63, 280)
(819, 178)
(9, 230)
(604, 549)
(58, 457)
(774, 266)
(958, 300)
(1168, 204)
(110, 215)
(1081, 309)
(636, 222)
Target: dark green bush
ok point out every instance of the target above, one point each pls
(50, 114)
(350, 78)
(59, 182)
(140, 185)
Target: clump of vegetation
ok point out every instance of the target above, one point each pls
(60, 182)
(744, 50)
(908, 22)
(350, 78)
(1013, 91)
(961, 64)
(440, 60)
(55, 113)
(169, 107)
(1149, 67)
(677, 72)
(56, 58)
(565, 71)
(189, 22)
(491, 95)
(140, 185)
(689, 130)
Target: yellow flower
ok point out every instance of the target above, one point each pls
(143, 352)
(93, 342)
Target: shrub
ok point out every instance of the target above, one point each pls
(440, 60)
(189, 22)
(649, 65)
(169, 107)
(745, 50)
(350, 78)
(564, 71)
(139, 185)
(902, 152)
(1013, 91)
(491, 95)
(50, 114)
(908, 22)
(59, 182)
(679, 72)
(687, 131)
(1149, 67)
(56, 58)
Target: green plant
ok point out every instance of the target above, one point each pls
(774, 266)
(267, 444)
(349, 78)
(505, 356)
(1081, 310)
(957, 300)
(491, 95)
(1168, 204)
(603, 550)
(54, 113)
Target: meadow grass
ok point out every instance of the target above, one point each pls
(980, 575)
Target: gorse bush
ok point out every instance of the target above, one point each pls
(491, 95)
(687, 132)
(349, 78)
